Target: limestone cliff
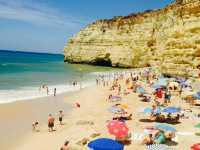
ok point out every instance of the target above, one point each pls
(168, 37)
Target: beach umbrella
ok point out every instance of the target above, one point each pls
(105, 144)
(165, 127)
(117, 128)
(140, 90)
(147, 110)
(123, 106)
(115, 109)
(171, 110)
(195, 146)
(162, 81)
(156, 86)
(150, 110)
(158, 147)
(197, 95)
(197, 126)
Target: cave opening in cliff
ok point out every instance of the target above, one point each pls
(102, 62)
(106, 61)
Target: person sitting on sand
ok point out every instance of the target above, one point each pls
(123, 117)
(110, 97)
(77, 105)
(65, 146)
(35, 125)
(148, 140)
(51, 122)
(60, 118)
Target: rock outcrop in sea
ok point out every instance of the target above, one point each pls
(168, 38)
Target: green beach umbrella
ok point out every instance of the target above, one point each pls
(197, 126)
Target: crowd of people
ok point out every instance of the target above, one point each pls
(121, 84)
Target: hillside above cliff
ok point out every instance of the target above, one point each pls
(168, 38)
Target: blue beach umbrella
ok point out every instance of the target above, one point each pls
(197, 95)
(140, 90)
(150, 110)
(105, 144)
(171, 110)
(147, 110)
(162, 82)
(114, 109)
(165, 127)
(156, 86)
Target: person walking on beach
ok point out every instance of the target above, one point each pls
(60, 118)
(54, 93)
(51, 120)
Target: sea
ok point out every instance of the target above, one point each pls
(23, 73)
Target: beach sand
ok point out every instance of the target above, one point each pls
(79, 123)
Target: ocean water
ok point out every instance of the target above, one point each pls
(22, 73)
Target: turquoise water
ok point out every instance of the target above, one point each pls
(22, 73)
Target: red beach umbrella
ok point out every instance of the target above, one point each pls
(117, 128)
(195, 146)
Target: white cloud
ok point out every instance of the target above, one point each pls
(37, 13)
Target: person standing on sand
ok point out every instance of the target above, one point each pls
(60, 118)
(47, 90)
(51, 123)
(54, 93)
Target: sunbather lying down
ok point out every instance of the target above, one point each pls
(162, 118)
(158, 137)
(123, 117)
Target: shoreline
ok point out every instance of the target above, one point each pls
(35, 94)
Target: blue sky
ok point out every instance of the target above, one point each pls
(45, 25)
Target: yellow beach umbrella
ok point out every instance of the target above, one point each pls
(124, 106)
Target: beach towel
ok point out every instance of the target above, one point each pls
(158, 147)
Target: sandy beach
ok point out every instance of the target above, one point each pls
(79, 123)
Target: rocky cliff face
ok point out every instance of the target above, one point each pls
(168, 38)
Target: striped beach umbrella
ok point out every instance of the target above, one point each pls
(158, 147)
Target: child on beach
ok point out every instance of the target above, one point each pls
(35, 125)
(51, 120)
(77, 105)
(60, 118)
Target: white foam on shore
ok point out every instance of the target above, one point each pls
(28, 93)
